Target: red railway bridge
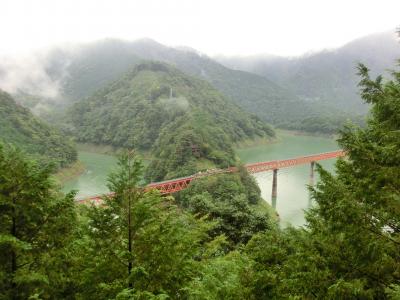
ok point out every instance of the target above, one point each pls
(178, 184)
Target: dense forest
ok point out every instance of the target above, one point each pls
(186, 123)
(330, 123)
(19, 127)
(211, 241)
(99, 63)
(93, 66)
(326, 76)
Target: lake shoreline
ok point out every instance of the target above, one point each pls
(280, 135)
(108, 150)
(293, 195)
(71, 172)
(306, 133)
(74, 171)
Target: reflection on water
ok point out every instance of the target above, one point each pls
(293, 196)
(93, 180)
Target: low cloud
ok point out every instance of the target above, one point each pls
(28, 75)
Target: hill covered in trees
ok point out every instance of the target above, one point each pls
(286, 92)
(81, 71)
(186, 122)
(93, 65)
(19, 127)
(210, 242)
(328, 76)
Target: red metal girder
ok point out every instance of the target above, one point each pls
(176, 185)
(279, 164)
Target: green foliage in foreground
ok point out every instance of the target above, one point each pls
(19, 127)
(139, 241)
(138, 245)
(142, 246)
(350, 248)
(233, 200)
(36, 224)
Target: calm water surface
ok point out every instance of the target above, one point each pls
(293, 197)
(93, 180)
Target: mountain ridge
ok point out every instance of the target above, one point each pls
(243, 88)
(328, 76)
(183, 120)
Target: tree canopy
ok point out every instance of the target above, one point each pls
(350, 246)
(214, 240)
(183, 121)
(19, 127)
(36, 223)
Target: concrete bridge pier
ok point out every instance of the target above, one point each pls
(274, 187)
(311, 184)
(312, 165)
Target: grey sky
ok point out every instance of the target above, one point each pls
(283, 27)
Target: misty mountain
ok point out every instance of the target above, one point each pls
(79, 71)
(183, 120)
(329, 76)
(19, 127)
(90, 67)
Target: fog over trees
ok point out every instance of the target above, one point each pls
(84, 114)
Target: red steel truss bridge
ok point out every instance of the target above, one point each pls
(178, 184)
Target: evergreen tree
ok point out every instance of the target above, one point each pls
(233, 200)
(36, 223)
(358, 213)
(138, 245)
(350, 248)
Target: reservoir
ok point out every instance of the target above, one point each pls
(293, 196)
(93, 181)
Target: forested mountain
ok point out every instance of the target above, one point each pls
(328, 76)
(91, 66)
(211, 241)
(189, 123)
(19, 127)
(79, 71)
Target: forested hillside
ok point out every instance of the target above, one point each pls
(189, 123)
(287, 94)
(211, 241)
(91, 66)
(19, 127)
(328, 76)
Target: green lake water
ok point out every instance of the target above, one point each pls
(93, 180)
(293, 196)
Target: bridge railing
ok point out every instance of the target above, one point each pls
(279, 164)
(178, 184)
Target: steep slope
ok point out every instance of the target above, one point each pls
(19, 127)
(327, 76)
(190, 124)
(91, 66)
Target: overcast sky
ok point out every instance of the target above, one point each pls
(231, 27)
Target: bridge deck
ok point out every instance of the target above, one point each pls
(178, 184)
